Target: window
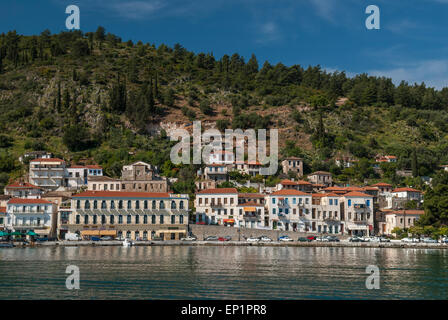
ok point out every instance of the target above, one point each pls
(95, 219)
(161, 219)
(273, 211)
(111, 219)
(273, 200)
(145, 219)
(145, 204)
(286, 211)
(181, 205)
(78, 219)
(154, 204)
(78, 204)
(129, 204)
(120, 204)
(294, 200)
(129, 219)
(335, 202)
(103, 205)
(349, 202)
(181, 219)
(128, 234)
(331, 202)
(368, 203)
(137, 219)
(112, 204)
(87, 204)
(137, 204)
(86, 219)
(120, 219)
(173, 219)
(162, 205)
(95, 204)
(173, 204)
(153, 219)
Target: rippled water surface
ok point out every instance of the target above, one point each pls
(223, 273)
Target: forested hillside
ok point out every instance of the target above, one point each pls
(92, 97)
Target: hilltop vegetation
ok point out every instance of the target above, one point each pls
(93, 97)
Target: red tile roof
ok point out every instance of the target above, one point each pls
(218, 191)
(303, 182)
(406, 190)
(2, 209)
(288, 183)
(381, 184)
(28, 201)
(18, 185)
(289, 192)
(122, 194)
(356, 194)
(323, 195)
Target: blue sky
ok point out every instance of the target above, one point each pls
(411, 44)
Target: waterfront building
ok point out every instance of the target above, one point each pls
(23, 190)
(251, 168)
(38, 215)
(203, 184)
(289, 210)
(133, 215)
(217, 206)
(357, 213)
(300, 185)
(216, 172)
(326, 214)
(402, 219)
(48, 173)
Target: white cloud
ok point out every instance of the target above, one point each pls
(433, 72)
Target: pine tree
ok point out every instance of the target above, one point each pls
(414, 163)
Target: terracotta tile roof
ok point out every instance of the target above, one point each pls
(28, 201)
(369, 188)
(356, 194)
(121, 194)
(303, 182)
(293, 158)
(2, 209)
(323, 195)
(289, 192)
(218, 191)
(288, 183)
(406, 190)
(381, 184)
(18, 185)
(47, 160)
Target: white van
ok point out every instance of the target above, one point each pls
(72, 237)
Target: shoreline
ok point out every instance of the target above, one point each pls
(342, 244)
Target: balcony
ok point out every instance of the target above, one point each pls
(28, 212)
(29, 225)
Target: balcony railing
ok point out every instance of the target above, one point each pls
(28, 211)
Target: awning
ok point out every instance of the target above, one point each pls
(99, 232)
(158, 232)
(229, 220)
(250, 209)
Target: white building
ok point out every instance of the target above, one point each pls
(402, 219)
(221, 157)
(217, 206)
(36, 215)
(357, 213)
(23, 190)
(289, 210)
(77, 175)
(48, 173)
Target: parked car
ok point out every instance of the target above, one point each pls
(444, 240)
(355, 239)
(106, 238)
(189, 238)
(303, 239)
(333, 239)
(252, 239)
(429, 240)
(200, 222)
(384, 239)
(211, 238)
(285, 239)
(95, 238)
(322, 239)
(311, 238)
(265, 239)
(226, 238)
(410, 240)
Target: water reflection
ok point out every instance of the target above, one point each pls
(177, 272)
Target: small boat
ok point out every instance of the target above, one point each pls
(127, 243)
